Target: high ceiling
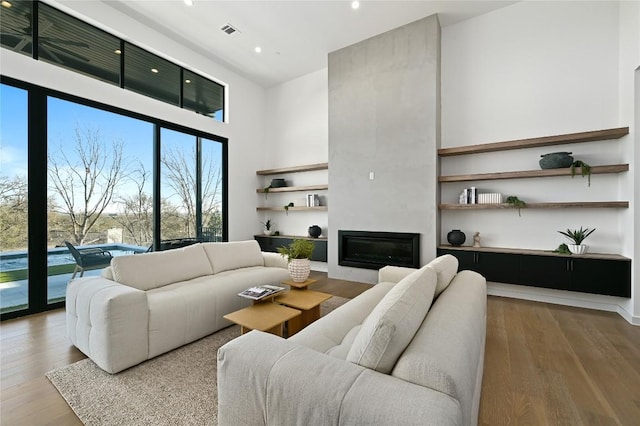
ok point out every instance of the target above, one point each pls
(295, 36)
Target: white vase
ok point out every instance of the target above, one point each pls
(577, 248)
(268, 231)
(299, 269)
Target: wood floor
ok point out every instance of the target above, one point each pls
(544, 365)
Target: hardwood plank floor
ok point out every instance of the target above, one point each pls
(544, 365)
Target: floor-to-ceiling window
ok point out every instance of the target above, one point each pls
(99, 177)
(14, 283)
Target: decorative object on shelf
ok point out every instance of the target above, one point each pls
(266, 191)
(562, 249)
(456, 237)
(476, 239)
(490, 198)
(315, 231)
(585, 170)
(268, 227)
(577, 236)
(298, 254)
(278, 183)
(514, 201)
(556, 160)
(286, 208)
(313, 200)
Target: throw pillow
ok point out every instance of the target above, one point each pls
(446, 267)
(391, 325)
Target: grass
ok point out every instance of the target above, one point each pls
(22, 274)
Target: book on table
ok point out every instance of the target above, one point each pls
(260, 292)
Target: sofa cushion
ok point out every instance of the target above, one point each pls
(446, 267)
(151, 270)
(233, 255)
(389, 328)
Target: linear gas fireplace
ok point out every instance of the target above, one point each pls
(373, 250)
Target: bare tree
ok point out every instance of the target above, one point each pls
(13, 212)
(180, 172)
(137, 216)
(85, 178)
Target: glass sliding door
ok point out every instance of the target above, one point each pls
(212, 181)
(99, 187)
(14, 282)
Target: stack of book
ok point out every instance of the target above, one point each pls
(260, 292)
(471, 196)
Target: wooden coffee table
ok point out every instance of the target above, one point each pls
(308, 302)
(302, 285)
(265, 316)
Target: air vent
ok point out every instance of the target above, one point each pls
(228, 29)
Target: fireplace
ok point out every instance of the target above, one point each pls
(373, 250)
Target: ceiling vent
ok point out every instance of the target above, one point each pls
(228, 29)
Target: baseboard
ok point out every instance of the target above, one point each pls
(561, 297)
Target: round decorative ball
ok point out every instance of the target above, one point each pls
(315, 231)
(456, 237)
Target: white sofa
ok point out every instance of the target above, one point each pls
(388, 357)
(144, 305)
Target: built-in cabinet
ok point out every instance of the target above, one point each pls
(592, 273)
(273, 242)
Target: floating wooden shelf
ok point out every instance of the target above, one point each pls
(294, 189)
(306, 168)
(554, 205)
(291, 209)
(615, 168)
(596, 135)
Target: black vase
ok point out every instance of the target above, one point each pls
(456, 237)
(315, 231)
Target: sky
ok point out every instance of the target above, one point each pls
(64, 117)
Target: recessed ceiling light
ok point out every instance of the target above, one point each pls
(187, 81)
(188, 2)
(6, 4)
(154, 70)
(117, 52)
(258, 49)
(355, 5)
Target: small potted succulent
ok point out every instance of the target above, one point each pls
(268, 227)
(298, 255)
(577, 236)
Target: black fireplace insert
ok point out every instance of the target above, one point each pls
(373, 250)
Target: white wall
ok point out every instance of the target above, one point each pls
(537, 69)
(296, 128)
(245, 129)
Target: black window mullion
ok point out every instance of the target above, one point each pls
(198, 187)
(157, 142)
(122, 74)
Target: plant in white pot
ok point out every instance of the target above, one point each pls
(298, 255)
(577, 236)
(268, 227)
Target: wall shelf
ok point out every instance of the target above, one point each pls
(614, 168)
(606, 256)
(293, 189)
(554, 205)
(596, 135)
(294, 169)
(292, 209)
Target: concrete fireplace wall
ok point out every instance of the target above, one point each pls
(384, 132)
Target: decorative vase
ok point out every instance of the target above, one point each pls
(456, 237)
(268, 231)
(278, 183)
(315, 231)
(299, 269)
(556, 160)
(578, 248)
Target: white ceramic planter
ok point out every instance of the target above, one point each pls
(268, 232)
(577, 248)
(299, 269)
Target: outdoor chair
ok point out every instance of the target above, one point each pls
(89, 258)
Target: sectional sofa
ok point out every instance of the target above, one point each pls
(409, 351)
(144, 305)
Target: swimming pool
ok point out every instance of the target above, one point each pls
(61, 256)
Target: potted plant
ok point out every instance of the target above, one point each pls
(298, 254)
(268, 227)
(577, 236)
(585, 170)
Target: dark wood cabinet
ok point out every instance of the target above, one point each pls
(608, 274)
(271, 244)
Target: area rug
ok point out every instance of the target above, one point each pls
(177, 388)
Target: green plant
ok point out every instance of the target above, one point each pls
(585, 170)
(297, 249)
(267, 224)
(286, 208)
(266, 191)
(514, 201)
(562, 249)
(577, 235)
